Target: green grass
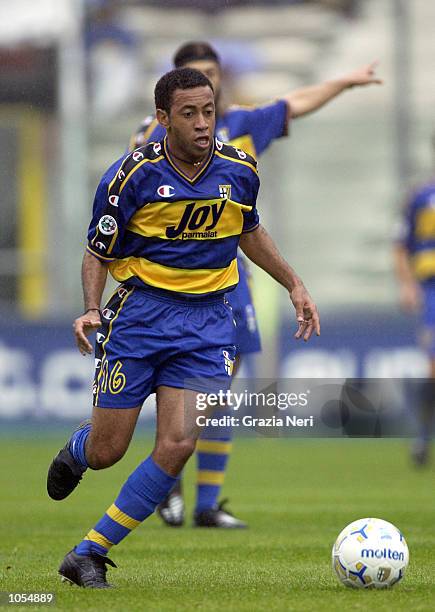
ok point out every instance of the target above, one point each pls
(296, 496)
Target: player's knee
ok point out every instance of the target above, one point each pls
(179, 450)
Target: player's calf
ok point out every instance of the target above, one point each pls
(101, 458)
(110, 436)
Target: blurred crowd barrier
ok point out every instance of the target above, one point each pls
(44, 377)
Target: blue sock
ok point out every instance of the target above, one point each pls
(77, 444)
(145, 488)
(212, 450)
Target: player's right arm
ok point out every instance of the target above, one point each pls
(114, 204)
(94, 276)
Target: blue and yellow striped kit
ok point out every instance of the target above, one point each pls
(417, 235)
(418, 232)
(172, 242)
(157, 227)
(251, 129)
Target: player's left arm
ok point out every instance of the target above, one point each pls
(410, 294)
(259, 247)
(309, 99)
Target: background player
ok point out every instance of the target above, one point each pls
(253, 130)
(169, 320)
(415, 270)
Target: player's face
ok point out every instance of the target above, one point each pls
(211, 70)
(191, 122)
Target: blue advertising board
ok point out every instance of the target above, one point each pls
(356, 344)
(44, 377)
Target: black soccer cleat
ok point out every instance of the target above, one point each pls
(171, 510)
(64, 473)
(218, 517)
(88, 572)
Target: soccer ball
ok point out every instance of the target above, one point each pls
(370, 553)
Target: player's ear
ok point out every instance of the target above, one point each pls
(162, 117)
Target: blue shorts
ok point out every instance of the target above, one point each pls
(247, 333)
(148, 339)
(427, 333)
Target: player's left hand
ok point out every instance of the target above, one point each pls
(364, 76)
(306, 313)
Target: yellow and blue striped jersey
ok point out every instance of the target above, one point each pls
(417, 232)
(157, 227)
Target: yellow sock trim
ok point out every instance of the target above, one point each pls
(96, 537)
(214, 447)
(209, 477)
(120, 517)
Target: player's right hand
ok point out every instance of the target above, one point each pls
(83, 326)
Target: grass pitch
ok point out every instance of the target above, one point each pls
(295, 495)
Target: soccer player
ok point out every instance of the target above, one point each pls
(165, 231)
(253, 130)
(415, 270)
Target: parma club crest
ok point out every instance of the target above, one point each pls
(225, 191)
(229, 363)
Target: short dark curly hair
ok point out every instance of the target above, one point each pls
(180, 78)
(195, 51)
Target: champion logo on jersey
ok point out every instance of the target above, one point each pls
(122, 292)
(157, 148)
(113, 200)
(100, 337)
(166, 191)
(121, 175)
(97, 363)
(219, 144)
(241, 153)
(100, 246)
(137, 156)
(108, 314)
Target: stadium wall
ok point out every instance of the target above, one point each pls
(44, 378)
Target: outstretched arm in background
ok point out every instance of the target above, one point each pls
(259, 247)
(308, 99)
